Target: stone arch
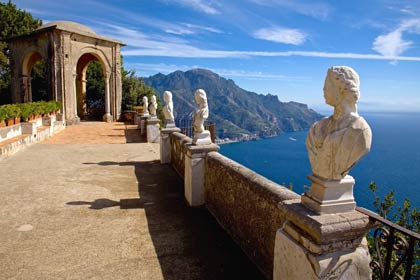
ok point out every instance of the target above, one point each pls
(62, 44)
(86, 56)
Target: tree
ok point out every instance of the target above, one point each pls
(403, 215)
(133, 90)
(14, 22)
(95, 88)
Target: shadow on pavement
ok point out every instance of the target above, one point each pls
(189, 243)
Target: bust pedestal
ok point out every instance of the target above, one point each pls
(142, 123)
(202, 138)
(165, 143)
(329, 246)
(169, 124)
(153, 132)
(330, 196)
(195, 159)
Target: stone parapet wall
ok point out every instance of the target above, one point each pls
(281, 235)
(246, 205)
(178, 141)
(17, 137)
(9, 132)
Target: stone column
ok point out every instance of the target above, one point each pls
(142, 124)
(153, 132)
(107, 117)
(165, 144)
(194, 172)
(76, 117)
(329, 246)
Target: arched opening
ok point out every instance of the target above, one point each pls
(39, 82)
(90, 88)
(34, 79)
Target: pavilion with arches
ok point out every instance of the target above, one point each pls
(67, 48)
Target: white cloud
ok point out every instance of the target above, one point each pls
(281, 35)
(188, 28)
(315, 10)
(393, 44)
(188, 51)
(147, 69)
(140, 44)
(198, 5)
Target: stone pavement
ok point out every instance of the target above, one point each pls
(78, 207)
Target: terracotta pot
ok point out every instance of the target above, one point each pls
(10, 122)
(17, 120)
(2, 124)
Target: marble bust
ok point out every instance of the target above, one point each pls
(153, 106)
(336, 143)
(145, 106)
(201, 136)
(168, 109)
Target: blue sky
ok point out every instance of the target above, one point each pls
(282, 47)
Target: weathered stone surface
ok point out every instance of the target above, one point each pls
(329, 231)
(194, 172)
(153, 131)
(67, 48)
(165, 144)
(178, 141)
(294, 261)
(245, 205)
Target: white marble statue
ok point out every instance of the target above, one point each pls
(153, 106)
(145, 106)
(201, 136)
(168, 109)
(336, 143)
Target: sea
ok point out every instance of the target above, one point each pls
(393, 162)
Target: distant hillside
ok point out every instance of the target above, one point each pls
(234, 110)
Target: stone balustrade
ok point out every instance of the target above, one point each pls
(283, 237)
(16, 137)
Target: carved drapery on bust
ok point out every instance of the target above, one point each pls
(168, 109)
(153, 106)
(201, 136)
(336, 143)
(145, 105)
(202, 113)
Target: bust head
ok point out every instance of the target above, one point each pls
(342, 86)
(200, 97)
(167, 96)
(153, 99)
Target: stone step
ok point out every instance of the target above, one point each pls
(15, 144)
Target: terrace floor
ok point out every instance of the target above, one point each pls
(93, 202)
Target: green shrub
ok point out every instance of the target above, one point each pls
(12, 111)
(3, 114)
(26, 110)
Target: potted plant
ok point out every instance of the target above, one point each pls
(16, 113)
(10, 114)
(26, 111)
(2, 117)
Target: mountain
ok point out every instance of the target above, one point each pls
(234, 110)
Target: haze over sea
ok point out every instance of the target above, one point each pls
(393, 163)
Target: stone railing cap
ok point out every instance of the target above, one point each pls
(326, 228)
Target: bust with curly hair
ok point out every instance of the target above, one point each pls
(336, 143)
